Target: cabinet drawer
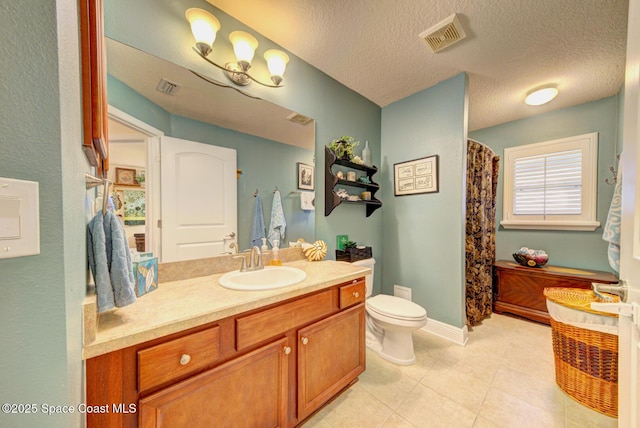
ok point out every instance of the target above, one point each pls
(263, 325)
(353, 293)
(176, 358)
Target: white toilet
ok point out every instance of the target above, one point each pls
(390, 322)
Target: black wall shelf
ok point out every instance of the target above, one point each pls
(332, 200)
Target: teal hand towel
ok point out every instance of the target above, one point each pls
(257, 227)
(611, 231)
(110, 261)
(278, 224)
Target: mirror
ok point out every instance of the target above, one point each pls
(270, 140)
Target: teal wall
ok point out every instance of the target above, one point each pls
(40, 139)
(565, 248)
(265, 163)
(145, 24)
(423, 234)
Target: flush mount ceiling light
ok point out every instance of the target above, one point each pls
(204, 27)
(541, 95)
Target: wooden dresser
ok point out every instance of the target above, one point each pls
(519, 290)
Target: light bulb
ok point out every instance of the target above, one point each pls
(244, 46)
(204, 27)
(277, 63)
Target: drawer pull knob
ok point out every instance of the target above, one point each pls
(287, 350)
(185, 359)
(354, 281)
(356, 294)
(305, 340)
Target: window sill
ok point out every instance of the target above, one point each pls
(588, 226)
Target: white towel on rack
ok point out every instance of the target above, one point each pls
(307, 201)
(278, 224)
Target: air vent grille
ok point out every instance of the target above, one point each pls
(444, 34)
(299, 118)
(167, 87)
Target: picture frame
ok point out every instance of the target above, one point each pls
(306, 176)
(416, 176)
(126, 176)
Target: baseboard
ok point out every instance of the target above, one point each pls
(459, 336)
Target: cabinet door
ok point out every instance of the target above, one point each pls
(331, 354)
(249, 391)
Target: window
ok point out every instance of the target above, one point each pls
(552, 185)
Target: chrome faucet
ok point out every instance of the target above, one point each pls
(255, 259)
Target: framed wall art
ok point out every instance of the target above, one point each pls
(126, 176)
(306, 176)
(416, 176)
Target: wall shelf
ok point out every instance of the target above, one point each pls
(332, 200)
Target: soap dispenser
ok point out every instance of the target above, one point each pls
(366, 154)
(275, 259)
(264, 245)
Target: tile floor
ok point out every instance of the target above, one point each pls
(504, 377)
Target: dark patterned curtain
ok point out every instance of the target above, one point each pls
(480, 246)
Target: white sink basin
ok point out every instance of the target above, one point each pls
(264, 279)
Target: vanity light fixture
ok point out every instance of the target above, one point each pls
(541, 95)
(204, 27)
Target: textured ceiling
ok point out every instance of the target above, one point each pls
(511, 46)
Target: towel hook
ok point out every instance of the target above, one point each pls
(91, 182)
(275, 190)
(614, 179)
(255, 193)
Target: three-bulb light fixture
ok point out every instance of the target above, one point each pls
(204, 27)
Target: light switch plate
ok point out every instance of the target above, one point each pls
(19, 218)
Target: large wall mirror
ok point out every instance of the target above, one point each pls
(148, 92)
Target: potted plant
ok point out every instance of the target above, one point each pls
(343, 147)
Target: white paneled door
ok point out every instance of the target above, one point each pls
(199, 202)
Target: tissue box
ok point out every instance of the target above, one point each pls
(145, 273)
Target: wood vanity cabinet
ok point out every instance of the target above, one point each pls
(273, 366)
(519, 289)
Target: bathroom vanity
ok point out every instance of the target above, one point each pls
(519, 289)
(236, 358)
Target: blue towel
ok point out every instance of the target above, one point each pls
(277, 225)
(110, 261)
(257, 228)
(611, 232)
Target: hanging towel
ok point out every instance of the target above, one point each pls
(110, 261)
(307, 201)
(611, 232)
(257, 228)
(278, 224)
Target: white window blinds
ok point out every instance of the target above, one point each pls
(549, 184)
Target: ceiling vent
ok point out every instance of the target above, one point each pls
(167, 87)
(445, 33)
(299, 118)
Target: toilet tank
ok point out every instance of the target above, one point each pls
(368, 280)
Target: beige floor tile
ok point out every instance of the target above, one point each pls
(385, 381)
(397, 421)
(426, 408)
(483, 423)
(508, 411)
(541, 392)
(355, 408)
(464, 388)
(579, 416)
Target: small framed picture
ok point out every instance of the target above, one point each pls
(416, 176)
(126, 176)
(306, 180)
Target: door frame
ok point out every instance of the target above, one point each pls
(152, 172)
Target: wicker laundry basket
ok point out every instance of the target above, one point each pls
(586, 361)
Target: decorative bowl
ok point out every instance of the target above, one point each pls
(531, 260)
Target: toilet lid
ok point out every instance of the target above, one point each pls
(396, 307)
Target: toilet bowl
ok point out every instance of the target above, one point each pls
(391, 321)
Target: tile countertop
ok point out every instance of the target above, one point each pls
(179, 305)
